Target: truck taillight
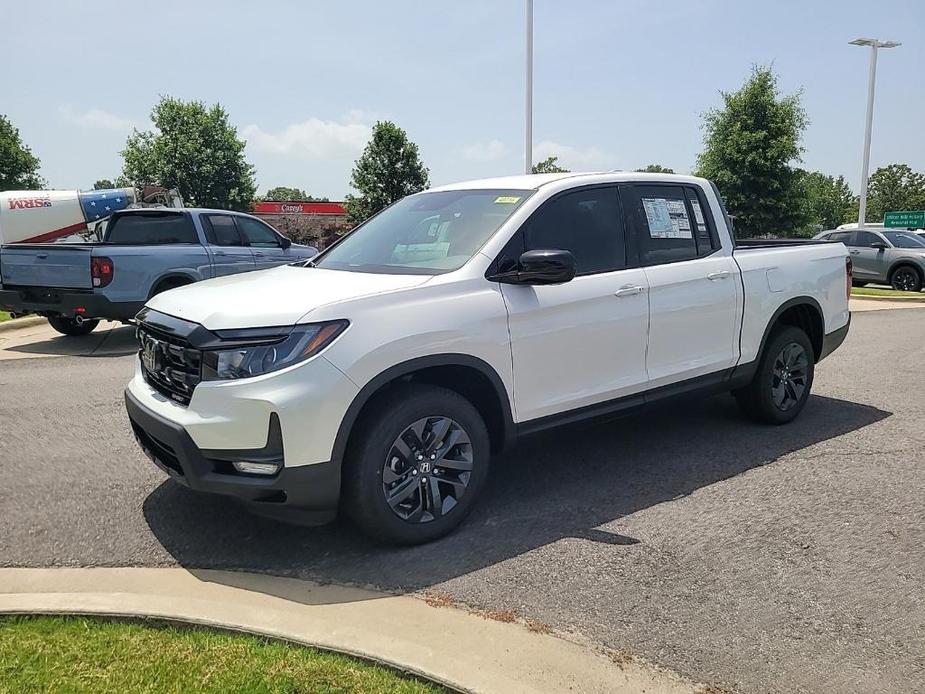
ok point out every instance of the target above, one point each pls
(101, 271)
(848, 273)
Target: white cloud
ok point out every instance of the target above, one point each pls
(311, 139)
(96, 118)
(570, 157)
(485, 151)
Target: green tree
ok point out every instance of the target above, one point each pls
(749, 145)
(103, 184)
(828, 201)
(894, 188)
(285, 194)
(389, 169)
(195, 150)
(549, 165)
(656, 168)
(19, 167)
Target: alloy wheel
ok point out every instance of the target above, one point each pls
(788, 376)
(427, 469)
(904, 280)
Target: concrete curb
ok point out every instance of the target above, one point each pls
(904, 299)
(449, 646)
(17, 323)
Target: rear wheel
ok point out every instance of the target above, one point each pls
(782, 383)
(906, 278)
(417, 466)
(71, 326)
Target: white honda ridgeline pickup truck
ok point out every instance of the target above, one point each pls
(382, 375)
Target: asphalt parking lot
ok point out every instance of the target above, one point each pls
(756, 558)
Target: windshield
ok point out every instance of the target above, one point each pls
(903, 239)
(425, 234)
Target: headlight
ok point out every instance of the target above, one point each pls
(260, 351)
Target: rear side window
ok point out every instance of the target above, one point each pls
(702, 223)
(663, 224)
(139, 228)
(587, 223)
(257, 233)
(221, 230)
(843, 236)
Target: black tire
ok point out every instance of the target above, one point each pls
(365, 478)
(859, 283)
(906, 278)
(69, 326)
(761, 399)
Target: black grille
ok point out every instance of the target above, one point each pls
(169, 364)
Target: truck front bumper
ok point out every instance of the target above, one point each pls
(53, 300)
(307, 493)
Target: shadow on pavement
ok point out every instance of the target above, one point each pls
(561, 484)
(112, 342)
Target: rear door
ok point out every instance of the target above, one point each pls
(230, 255)
(265, 243)
(47, 265)
(582, 342)
(868, 263)
(693, 282)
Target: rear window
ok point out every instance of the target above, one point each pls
(139, 229)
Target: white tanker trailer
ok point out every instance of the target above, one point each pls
(39, 216)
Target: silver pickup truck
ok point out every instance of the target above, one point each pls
(143, 252)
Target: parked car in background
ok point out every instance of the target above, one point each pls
(143, 252)
(896, 258)
(382, 375)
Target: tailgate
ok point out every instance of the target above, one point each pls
(48, 265)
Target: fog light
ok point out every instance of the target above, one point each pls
(255, 468)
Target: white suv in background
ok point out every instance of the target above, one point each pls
(381, 376)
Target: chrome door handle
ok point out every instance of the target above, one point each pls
(628, 290)
(855, 252)
(259, 255)
(721, 275)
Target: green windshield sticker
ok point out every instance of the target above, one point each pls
(507, 200)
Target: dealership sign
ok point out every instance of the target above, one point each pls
(905, 220)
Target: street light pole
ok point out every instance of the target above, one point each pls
(528, 125)
(871, 84)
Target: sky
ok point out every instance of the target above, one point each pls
(618, 83)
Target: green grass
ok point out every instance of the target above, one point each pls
(874, 291)
(78, 654)
(4, 316)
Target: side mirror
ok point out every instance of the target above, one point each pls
(879, 245)
(552, 266)
(284, 243)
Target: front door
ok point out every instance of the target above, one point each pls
(694, 291)
(264, 242)
(581, 342)
(867, 263)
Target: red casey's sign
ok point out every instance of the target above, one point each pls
(322, 208)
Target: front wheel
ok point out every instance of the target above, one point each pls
(417, 466)
(782, 382)
(906, 279)
(70, 326)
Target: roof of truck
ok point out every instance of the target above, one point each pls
(535, 181)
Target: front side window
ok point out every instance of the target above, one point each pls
(257, 233)
(904, 239)
(863, 239)
(425, 234)
(587, 223)
(141, 228)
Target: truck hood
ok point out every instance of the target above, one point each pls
(279, 296)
